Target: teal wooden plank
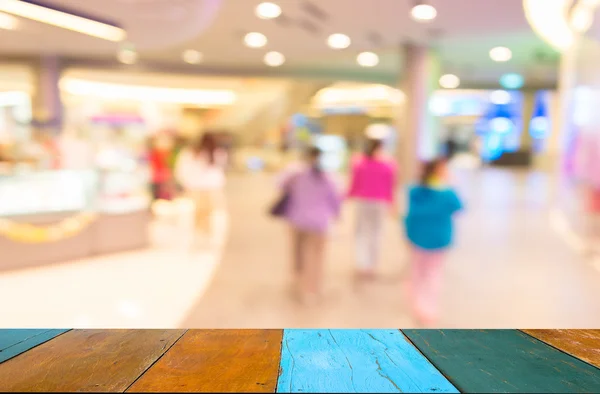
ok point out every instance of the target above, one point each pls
(501, 361)
(355, 361)
(9, 338)
(15, 342)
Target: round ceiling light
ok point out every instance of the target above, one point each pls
(274, 59)
(449, 81)
(500, 97)
(127, 56)
(268, 10)
(192, 57)
(255, 40)
(367, 59)
(423, 12)
(501, 54)
(512, 81)
(339, 41)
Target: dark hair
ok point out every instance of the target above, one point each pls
(429, 168)
(314, 154)
(206, 144)
(373, 145)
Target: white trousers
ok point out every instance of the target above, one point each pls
(370, 216)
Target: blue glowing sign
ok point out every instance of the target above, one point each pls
(492, 147)
(539, 127)
(512, 81)
(501, 125)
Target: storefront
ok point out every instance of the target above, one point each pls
(347, 113)
(84, 191)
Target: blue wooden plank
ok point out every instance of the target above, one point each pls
(15, 342)
(355, 361)
(9, 338)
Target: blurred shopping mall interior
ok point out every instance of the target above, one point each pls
(91, 90)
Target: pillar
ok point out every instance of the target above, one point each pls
(47, 106)
(417, 127)
(528, 107)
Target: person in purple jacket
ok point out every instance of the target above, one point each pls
(314, 203)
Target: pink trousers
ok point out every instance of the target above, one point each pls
(425, 284)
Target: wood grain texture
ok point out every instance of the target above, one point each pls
(583, 344)
(355, 361)
(503, 361)
(15, 342)
(87, 360)
(217, 361)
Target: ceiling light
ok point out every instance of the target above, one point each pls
(501, 54)
(582, 18)
(79, 87)
(512, 81)
(548, 18)
(339, 41)
(255, 40)
(192, 57)
(8, 22)
(127, 56)
(368, 59)
(500, 97)
(449, 81)
(274, 59)
(63, 20)
(423, 12)
(268, 10)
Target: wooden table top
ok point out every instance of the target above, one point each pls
(440, 361)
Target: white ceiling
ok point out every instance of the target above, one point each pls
(464, 32)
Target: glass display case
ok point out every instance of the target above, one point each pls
(64, 191)
(65, 215)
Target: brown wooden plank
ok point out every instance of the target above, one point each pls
(87, 360)
(582, 344)
(217, 361)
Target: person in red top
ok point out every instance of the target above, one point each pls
(159, 158)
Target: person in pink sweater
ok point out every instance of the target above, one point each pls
(372, 186)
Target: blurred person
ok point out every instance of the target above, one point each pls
(430, 230)
(372, 185)
(159, 155)
(200, 171)
(312, 203)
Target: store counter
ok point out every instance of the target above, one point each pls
(56, 216)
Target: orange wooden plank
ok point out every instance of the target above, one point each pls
(582, 344)
(87, 360)
(217, 361)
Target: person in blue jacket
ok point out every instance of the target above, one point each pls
(429, 228)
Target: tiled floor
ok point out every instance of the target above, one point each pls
(153, 288)
(510, 268)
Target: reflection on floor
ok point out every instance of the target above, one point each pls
(153, 288)
(509, 269)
